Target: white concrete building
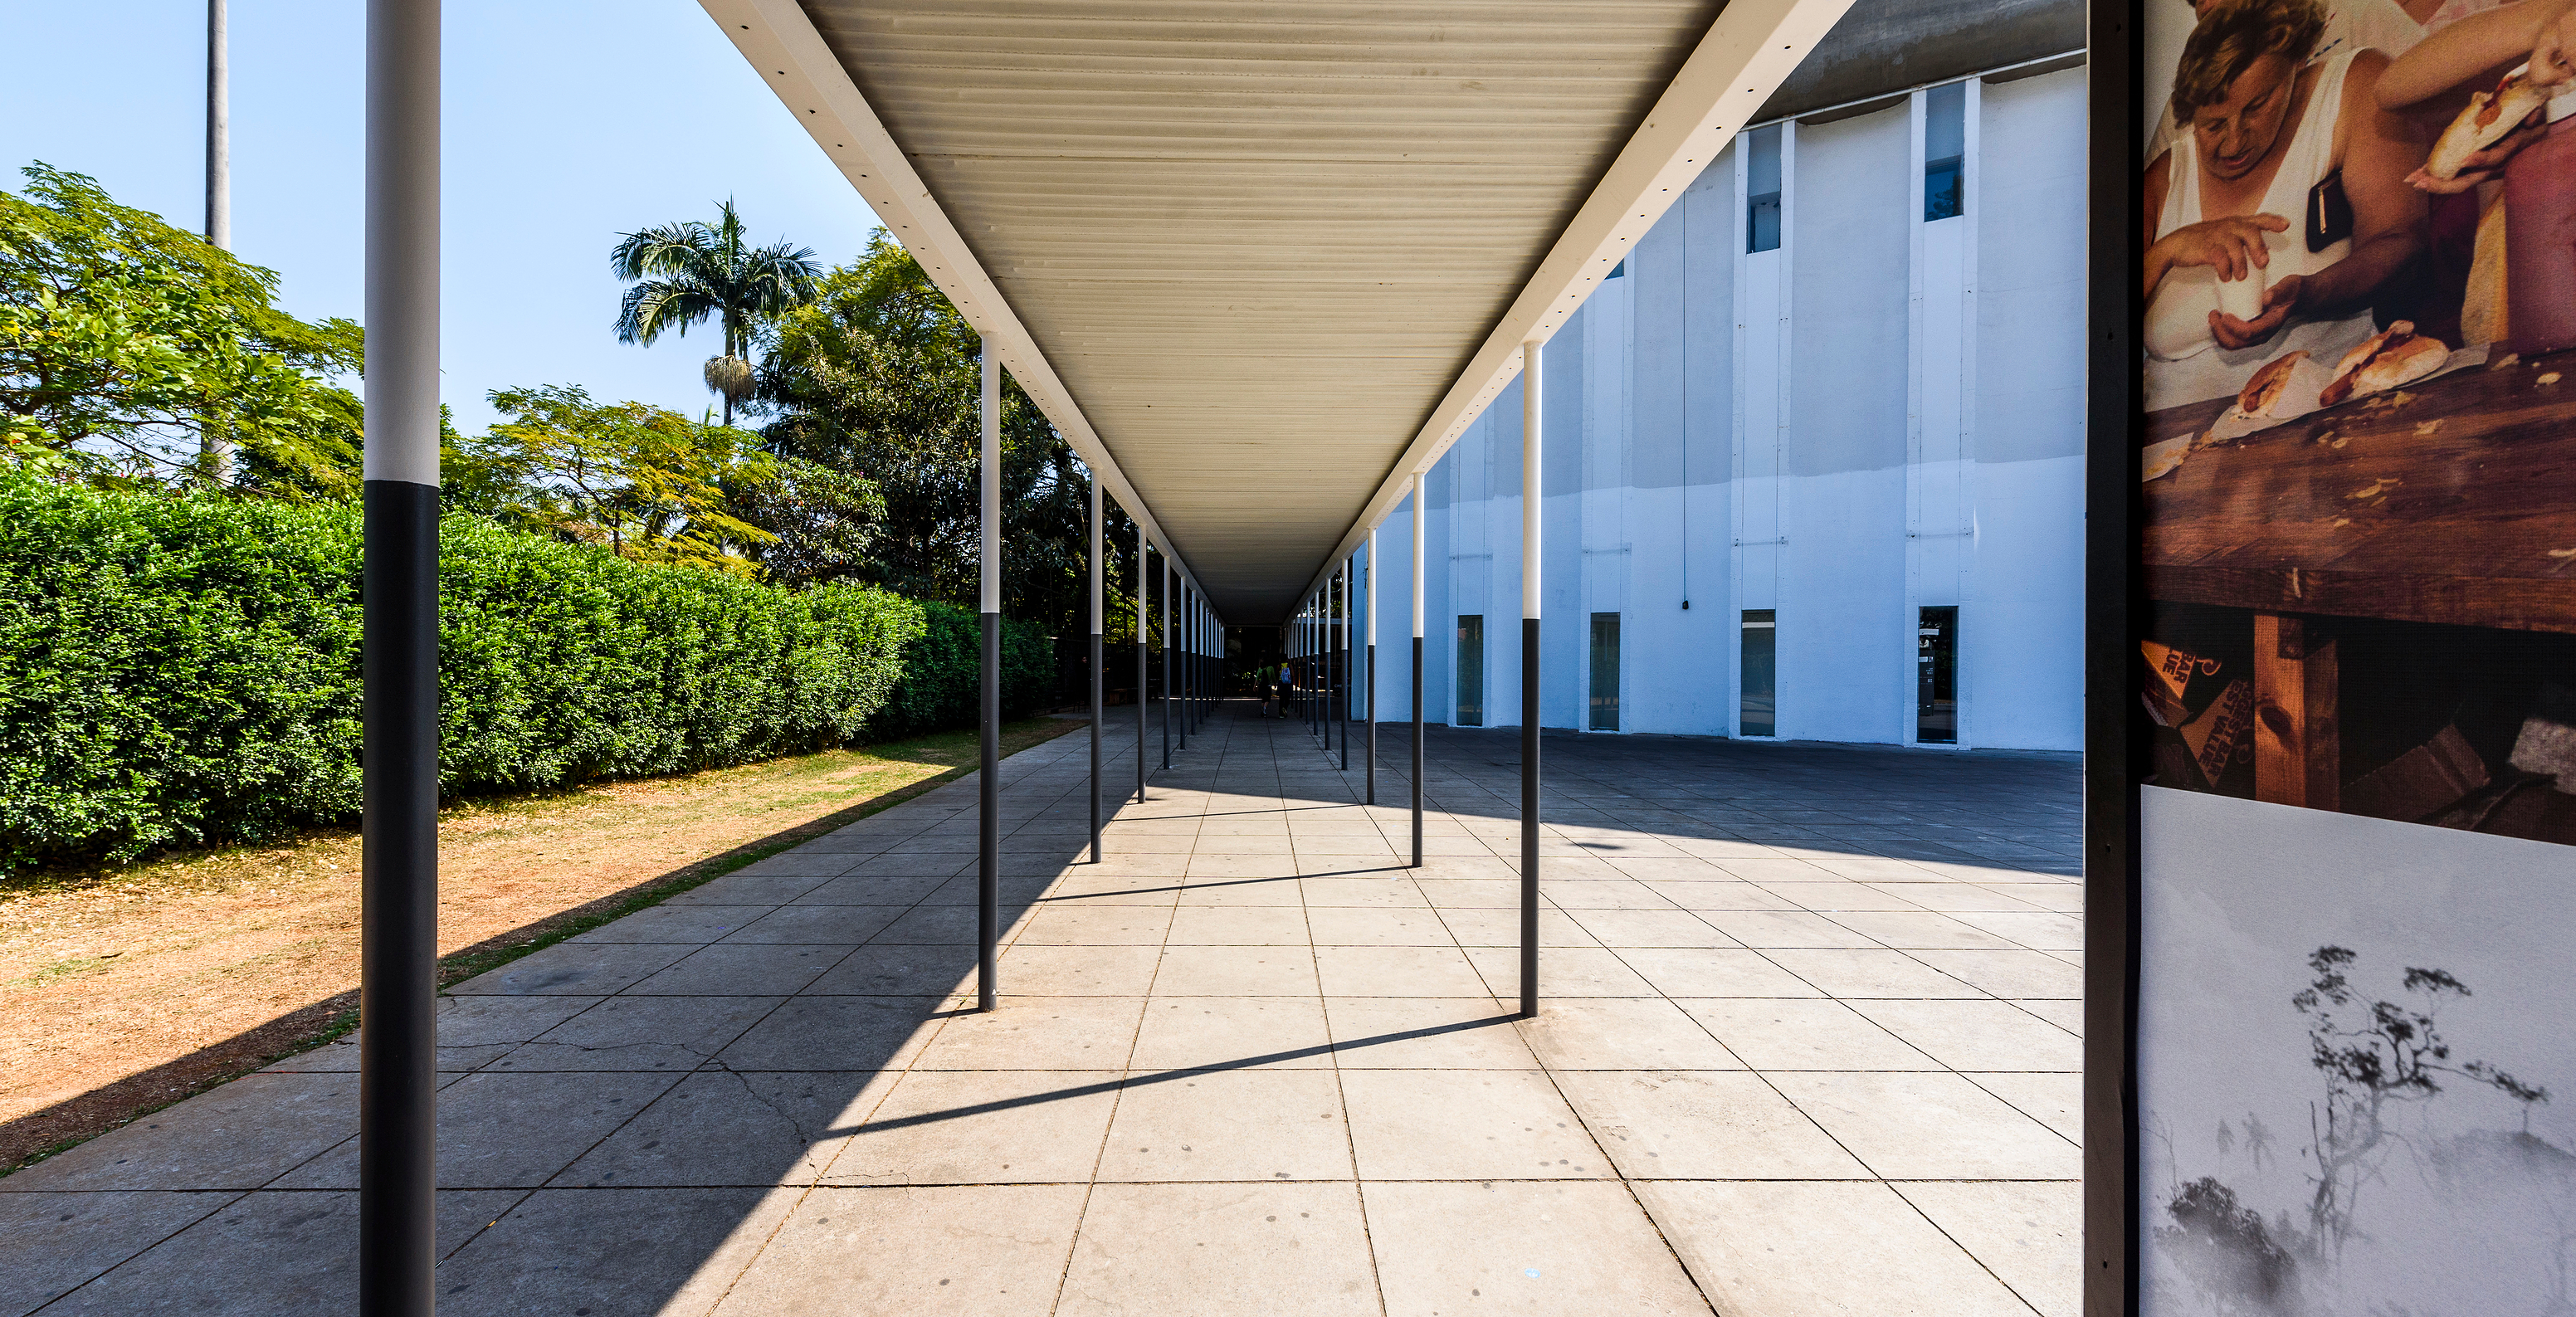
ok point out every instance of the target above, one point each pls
(1813, 462)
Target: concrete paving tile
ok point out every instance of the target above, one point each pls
(1039, 1033)
(2010, 973)
(1229, 1125)
(750, 889)
(1117, 925)
(676, 923)
(1854, 975)
(661, 1250)
(1433, 971)
(1276, 891)
(1184, 1033)
(1729, 894)
(1414, 926)
(982, 1127)
(802, 863)
(1622, 1033)
(1871, 868)
(1115, 865)
(1609, 893)
(1714, 972)
(2064, 898)
(1926, 1126)
(1681, 868)
(1471, 893)
(898, 971)
(1978, 1035)
(829, 924)
(1785, 928)
(1239, 926)
(838, 1033)
(1392, 891)
(2067, 1014)
(1703, 1124)
(745, 969)
(1650, 928)
(866, 888)
(1236, 972)
(1818, 1034)
(242, 1135)
(507, 1131)
(1084, 891)
(473, 1032)
(1289, 1249)
(1924, 930)
(2029, 1235)
(1425, 1033)
(1076, 971)
(1466, 1125)
(1835, 897)
(2053, 1099)
(943, 1251)
(1777, 868)
(2039, 931)
(56, 1241)
(1563, 972)
(1821, 1250)
(730, 1127)
(271, 1252)
(641, 1033)
(1545, 1250)
(1502, 928)
(574, 969)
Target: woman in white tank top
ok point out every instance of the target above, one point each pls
(2230, 281)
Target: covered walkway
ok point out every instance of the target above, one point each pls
(1808, 1049)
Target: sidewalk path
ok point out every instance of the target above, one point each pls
(1808, 1047)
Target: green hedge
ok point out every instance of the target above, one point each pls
(185, 669)
(942, 674)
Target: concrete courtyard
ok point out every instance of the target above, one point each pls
(1808, 1046)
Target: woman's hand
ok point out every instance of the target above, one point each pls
(2280, 301)
(2484, 164)
(2553, 52)
(2233, 245)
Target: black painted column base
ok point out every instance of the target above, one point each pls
(1096, 657)
(988, 877)
(1529, 816)
(1417, 752)
(398, 882)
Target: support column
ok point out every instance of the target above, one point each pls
(1368, 679)
(398, 884)
(1532, 354)
(1346, 651)
(988, 870)
(1141, 687)
(1176, 658)
(1165, 722)
(1098, 586)
(1417, 669)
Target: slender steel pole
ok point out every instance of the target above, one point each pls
(1346, 652)
(1532, 354)
(398, 884)
(219, 127)
(1165, 722)
(1141, 686)
(1098, 585)
(988, 881)
(1368, 679)
(1417, 669)
(1176, 651)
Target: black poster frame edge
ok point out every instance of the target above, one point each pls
(2115, 604)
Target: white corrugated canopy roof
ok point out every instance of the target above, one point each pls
(1261, 262)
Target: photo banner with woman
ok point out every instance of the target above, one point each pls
(2333, 743)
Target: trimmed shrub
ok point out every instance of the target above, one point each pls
(182, 669)
(942, 674)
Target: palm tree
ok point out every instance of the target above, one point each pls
(691, 271)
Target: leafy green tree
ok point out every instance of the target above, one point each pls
(649, 483)
(134, 352)
(687, 273)
(878, 374)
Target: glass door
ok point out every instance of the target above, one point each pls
(1471, 671)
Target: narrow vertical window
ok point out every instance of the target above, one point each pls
(1605, 672)
(1936, 676)
(1757, 715)
(1471, 671)
(1762, 185)
(1945, 152)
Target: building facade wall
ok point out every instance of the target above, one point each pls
(1882, 414)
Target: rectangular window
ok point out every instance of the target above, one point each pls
(1945, 152)
(1471, 671)
(1758, 713)
(1605, 672)
(1762, 184)
(1936, 677)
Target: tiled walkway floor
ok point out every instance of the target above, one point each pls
(1808, 1047)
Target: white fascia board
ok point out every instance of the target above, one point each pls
(778, 38)
(1749, 51)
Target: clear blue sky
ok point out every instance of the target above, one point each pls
(568, 122)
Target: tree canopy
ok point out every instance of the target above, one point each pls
(123, 340)
(687, 273)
